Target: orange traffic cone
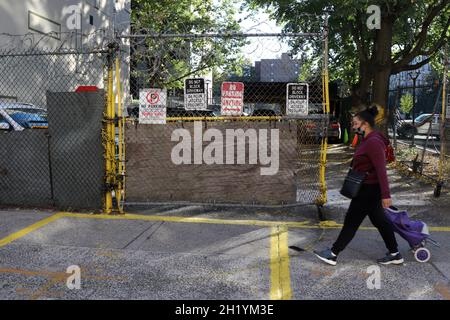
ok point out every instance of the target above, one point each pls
(355, 141)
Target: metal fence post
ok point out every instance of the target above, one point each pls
(121, 145)
(443, 129)
(110, 134)
(326, 109)
(302, 138)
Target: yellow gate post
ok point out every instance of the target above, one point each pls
(110, 136)
(120, 196)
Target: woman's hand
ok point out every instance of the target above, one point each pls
(386, 203)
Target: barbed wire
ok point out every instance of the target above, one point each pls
(55, 42)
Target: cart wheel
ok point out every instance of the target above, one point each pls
(422, 254)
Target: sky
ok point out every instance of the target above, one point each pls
(261, 48)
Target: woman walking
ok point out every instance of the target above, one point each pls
(374, 195)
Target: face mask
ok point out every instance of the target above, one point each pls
(360, 131)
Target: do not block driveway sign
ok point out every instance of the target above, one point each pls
(195, 94)
(297, 95)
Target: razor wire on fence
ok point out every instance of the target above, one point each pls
(200, 117)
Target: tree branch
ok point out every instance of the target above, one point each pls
(399, 69)
(356, 31)
(442, 40)
(188, 74)
(422, 35)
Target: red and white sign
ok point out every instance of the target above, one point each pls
(153, 97)
(152, 106)
(232, 98)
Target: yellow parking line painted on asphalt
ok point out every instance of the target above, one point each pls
(329, 224)
(280, 278)
(441, 229)
(27, 230)
(261, 223)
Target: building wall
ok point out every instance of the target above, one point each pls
(24, 23)
(403, 79)
(284, 69)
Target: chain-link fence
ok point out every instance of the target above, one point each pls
(419, 131)
(51, 123)
(234, 128)
(213, 121)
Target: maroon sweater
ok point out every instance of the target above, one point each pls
(370, 156)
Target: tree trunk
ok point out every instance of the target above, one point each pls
(381, 87)
(360, 92)
(383, 67)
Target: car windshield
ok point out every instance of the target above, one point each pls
(26, 116)
(422, 117)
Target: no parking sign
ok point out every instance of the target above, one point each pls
(152, 106)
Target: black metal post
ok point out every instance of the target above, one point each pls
(414, 77)
(414, 112)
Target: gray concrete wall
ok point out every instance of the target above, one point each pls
(76, 150)
(24, 168)
(62, 166)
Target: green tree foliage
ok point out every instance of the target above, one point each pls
(406, 103)
(166, 61)
(412, 34)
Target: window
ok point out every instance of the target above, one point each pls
(41, 24)
(91, 20)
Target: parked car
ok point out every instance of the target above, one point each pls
(264, 113)
(421, 126)
(133, 111)
(333, 130)
(181, 112)
(20, 116)
(216, 109)
(176, 112)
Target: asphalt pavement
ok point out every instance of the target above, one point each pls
(198, 252)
